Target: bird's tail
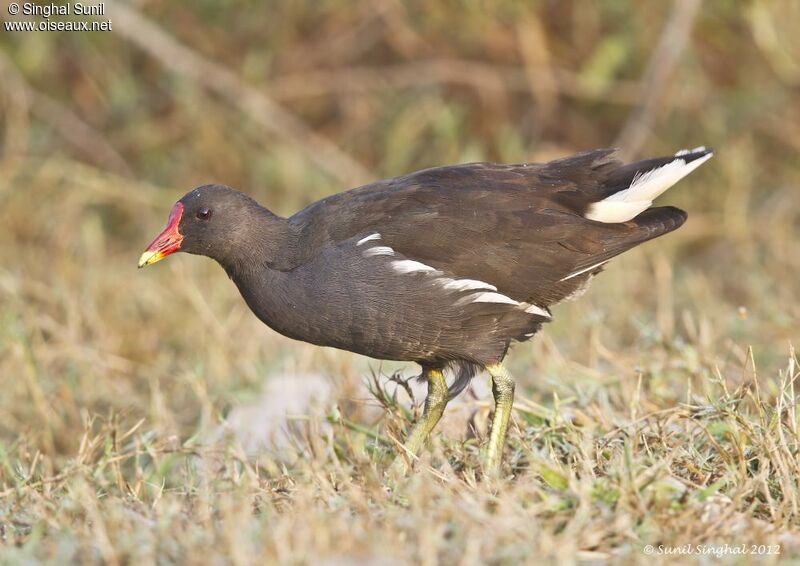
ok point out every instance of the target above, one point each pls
(464, 372)
(629, 190)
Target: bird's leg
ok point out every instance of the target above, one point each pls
(503, 391)
(435, 403)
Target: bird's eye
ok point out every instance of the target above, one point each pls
(204, 213)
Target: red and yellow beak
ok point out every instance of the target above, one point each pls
(167, 242)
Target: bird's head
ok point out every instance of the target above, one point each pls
(208, 220)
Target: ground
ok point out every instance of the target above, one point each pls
(654, 411)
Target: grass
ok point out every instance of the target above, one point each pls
(658, 409)
(671, 421)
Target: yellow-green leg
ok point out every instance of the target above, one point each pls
(503, 391)
(435, 403)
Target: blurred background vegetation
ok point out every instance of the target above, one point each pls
(290, 101)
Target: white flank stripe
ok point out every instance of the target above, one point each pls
(411, 266)
(533, 309)
(465, 284)
(493, 298)
(379, 250)
(628, 203)
(584, 270)
(374, 236)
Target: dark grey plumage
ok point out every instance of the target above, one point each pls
(445, 267)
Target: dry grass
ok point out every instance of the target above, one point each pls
(658, 409)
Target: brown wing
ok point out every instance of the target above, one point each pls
(518, 227)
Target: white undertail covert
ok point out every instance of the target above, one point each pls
(645, 188)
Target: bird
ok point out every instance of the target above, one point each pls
(446, 267)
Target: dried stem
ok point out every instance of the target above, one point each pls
(660, 68)
(71, 127)
(213, 76)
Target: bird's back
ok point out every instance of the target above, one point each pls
(536, 232)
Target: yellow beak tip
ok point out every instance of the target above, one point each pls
(149, 258)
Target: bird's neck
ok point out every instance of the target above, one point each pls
(263, 241)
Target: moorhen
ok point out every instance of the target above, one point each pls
(445, 267)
